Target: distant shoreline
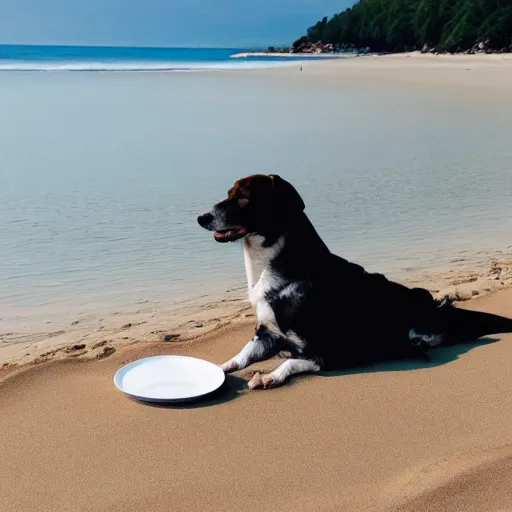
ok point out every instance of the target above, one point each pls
(344, 55)
(245, 55)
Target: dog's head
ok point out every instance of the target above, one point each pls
(257, 204)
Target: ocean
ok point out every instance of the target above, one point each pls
(104, 173)
(80, 58)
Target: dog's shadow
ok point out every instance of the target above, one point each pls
(438, 357)
(235, 386)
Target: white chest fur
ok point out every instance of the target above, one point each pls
(257, 258)
(260, 278)
(257, 296)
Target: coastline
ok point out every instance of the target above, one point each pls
(100, 335)
(470, 77)
(340, 55)
(281, 55)
(479, 73)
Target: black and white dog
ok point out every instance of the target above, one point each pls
(327, 312)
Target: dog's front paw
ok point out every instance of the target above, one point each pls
(229, 367)
(260, 381)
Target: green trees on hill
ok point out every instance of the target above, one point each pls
(399, 25)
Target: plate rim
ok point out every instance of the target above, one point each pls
(125, 367)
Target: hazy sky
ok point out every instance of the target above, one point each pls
(228, 23)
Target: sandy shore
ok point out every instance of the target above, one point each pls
(400, 436)
(93, 336)
(480, 74)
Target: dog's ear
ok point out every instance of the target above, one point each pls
(285, 195)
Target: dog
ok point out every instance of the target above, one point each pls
(325, 311)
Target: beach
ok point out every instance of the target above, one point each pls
(99, 240)
(480, 78)
(401, 436)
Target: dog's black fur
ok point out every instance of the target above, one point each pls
(343, 315)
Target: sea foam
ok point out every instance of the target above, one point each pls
(136, 66)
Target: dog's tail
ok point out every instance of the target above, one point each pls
(461, 325)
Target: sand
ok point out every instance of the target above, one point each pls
(469, 76)
(393, 437)
(89, 336)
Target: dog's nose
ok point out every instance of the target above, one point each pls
(205, 219)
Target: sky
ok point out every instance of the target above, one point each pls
(189, 23)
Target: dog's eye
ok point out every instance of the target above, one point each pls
(230, 191)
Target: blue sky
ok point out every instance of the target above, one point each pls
(221, 23)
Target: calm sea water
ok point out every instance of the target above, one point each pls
(103, 174)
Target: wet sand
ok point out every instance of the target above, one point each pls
(87, 337)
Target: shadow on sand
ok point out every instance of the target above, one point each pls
(234, 386)
(438, 357)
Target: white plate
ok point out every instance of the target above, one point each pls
(168, 378)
